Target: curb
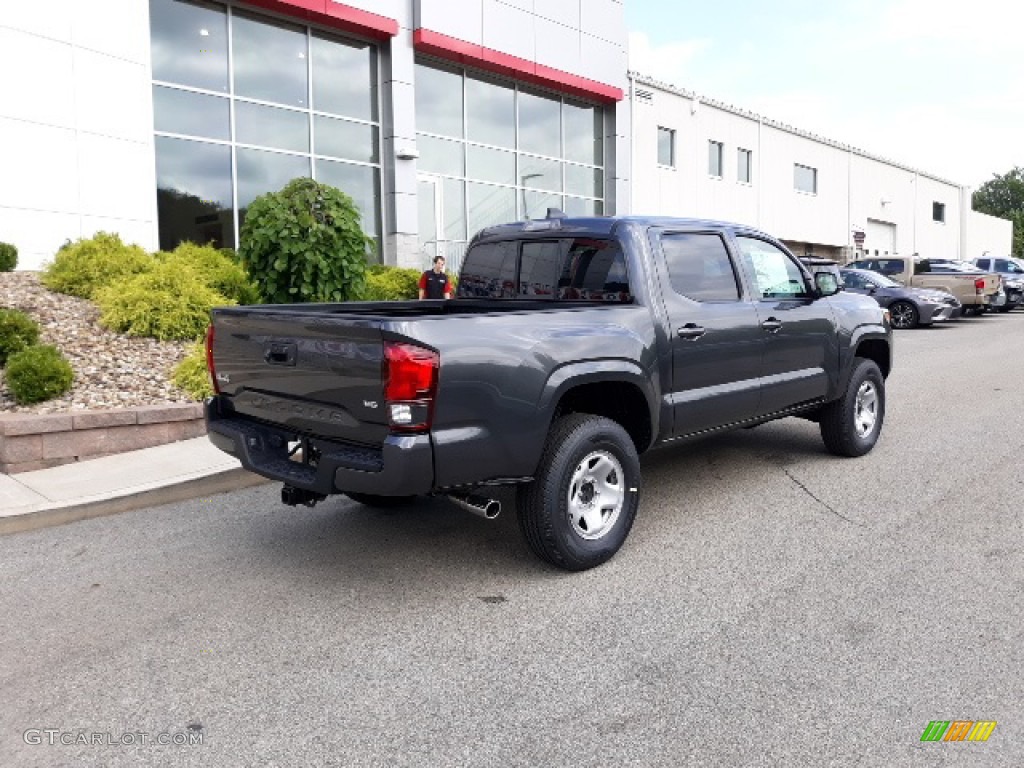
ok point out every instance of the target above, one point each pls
(47, 517)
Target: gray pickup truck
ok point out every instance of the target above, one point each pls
(573, 345)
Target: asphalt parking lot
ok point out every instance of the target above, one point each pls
(774, 605)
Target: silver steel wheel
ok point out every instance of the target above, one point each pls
(865, 409)
(596, 495)
(903, 315)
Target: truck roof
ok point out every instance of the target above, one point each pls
(604, 225)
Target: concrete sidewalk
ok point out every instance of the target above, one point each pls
(117, 483)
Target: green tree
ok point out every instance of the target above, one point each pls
(305, 243)
(1003, 196)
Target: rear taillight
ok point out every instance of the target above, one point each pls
(979, 285)
(211, 369)
(410, 384)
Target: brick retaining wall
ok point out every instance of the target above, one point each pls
(30, 442)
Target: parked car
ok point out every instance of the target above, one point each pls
(1012, 272)
(649, 331)
(908, 307)
(974, 289)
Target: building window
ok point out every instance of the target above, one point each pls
(715, 159)
(805, 179)
(744, 165)
(243, 104)
(939, 212)
(504, 152)
(666, 147)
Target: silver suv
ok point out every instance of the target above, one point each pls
(1012, 272)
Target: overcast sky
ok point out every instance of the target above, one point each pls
(934, 84)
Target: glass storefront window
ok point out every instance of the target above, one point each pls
(583, 140)
(189, 42)
(536, 204)
(270, 61)
(441, 156)
(581, 180)
(488, 164)
(271, 127)
(191, 114)
(194, 201)
(487, 205)
(454, 209)
(274, 62)
(540, 125)
(341, 71)
(439, 101)
(540, 173)
(490, 112)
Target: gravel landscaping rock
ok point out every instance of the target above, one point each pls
(111, 370)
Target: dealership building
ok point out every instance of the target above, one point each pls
(163, 120)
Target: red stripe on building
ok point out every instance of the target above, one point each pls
(336, 15)
(473, 55)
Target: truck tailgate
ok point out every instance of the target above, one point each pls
(317, 374)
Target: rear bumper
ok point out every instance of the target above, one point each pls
(403, 466)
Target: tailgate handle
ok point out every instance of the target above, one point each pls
(280, 354)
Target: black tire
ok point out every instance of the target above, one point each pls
(843, 420)
(380, 502)
(557, 513)
(903, 315)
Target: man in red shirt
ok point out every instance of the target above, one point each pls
(434, 282)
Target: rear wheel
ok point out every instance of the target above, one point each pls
(850, 426)
(579, 509)
(903, 314)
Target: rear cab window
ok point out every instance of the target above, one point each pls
(557, 269)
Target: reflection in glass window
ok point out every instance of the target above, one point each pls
(487, 164)
(438, 101)
(489, 270)
(583, 139)
(540, 173)
(441, 156)
(699, 267)
(270, 61)
(360, 182)
(345, 139)
(805, 178)
(540, 266)
(490, 112)
(344, 78)
(577, 206)
(595, 270)
(189, 43)
(260, 172)
(715, 158)
(271, 127)
(581, 180)
(193, 196)
(191, 114)
(454, 209)
(488, 205)
(666, 147)
(776, 274)
(536, 204)
(744, 165)
(540, 128)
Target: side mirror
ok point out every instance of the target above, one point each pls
(872, 288)
(826, 283)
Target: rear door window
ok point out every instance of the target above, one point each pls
(699, 267)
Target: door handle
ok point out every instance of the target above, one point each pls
(691, 331)
(772, 325)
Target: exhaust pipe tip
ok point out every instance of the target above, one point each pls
(480, 506)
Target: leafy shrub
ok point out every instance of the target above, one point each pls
(219, 269)
(8, 257)
(391, 284)
(305, 243)
(191, 374)
(168, 302)
(17, 331)
(38, 373)
(83, 267)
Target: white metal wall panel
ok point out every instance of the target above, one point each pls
(399, 10)
(112, 27)
(565, 12)
(109, 93)
(560, 46)
(988, 233)
(603, 18)
(461, 19)
(47, 96)
(509, 29)
(601, 60)
(40, 167)
(51, 19)
(937, 239)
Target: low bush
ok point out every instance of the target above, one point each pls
(8, 257)
(17, 331)
(191, 374)
(391, 284)
(305, 243)
(219, 269)
(38, 373)
(83, 267)
(169, 302)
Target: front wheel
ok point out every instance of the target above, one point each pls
(850, 426)
(903, 314)
(579, 509)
